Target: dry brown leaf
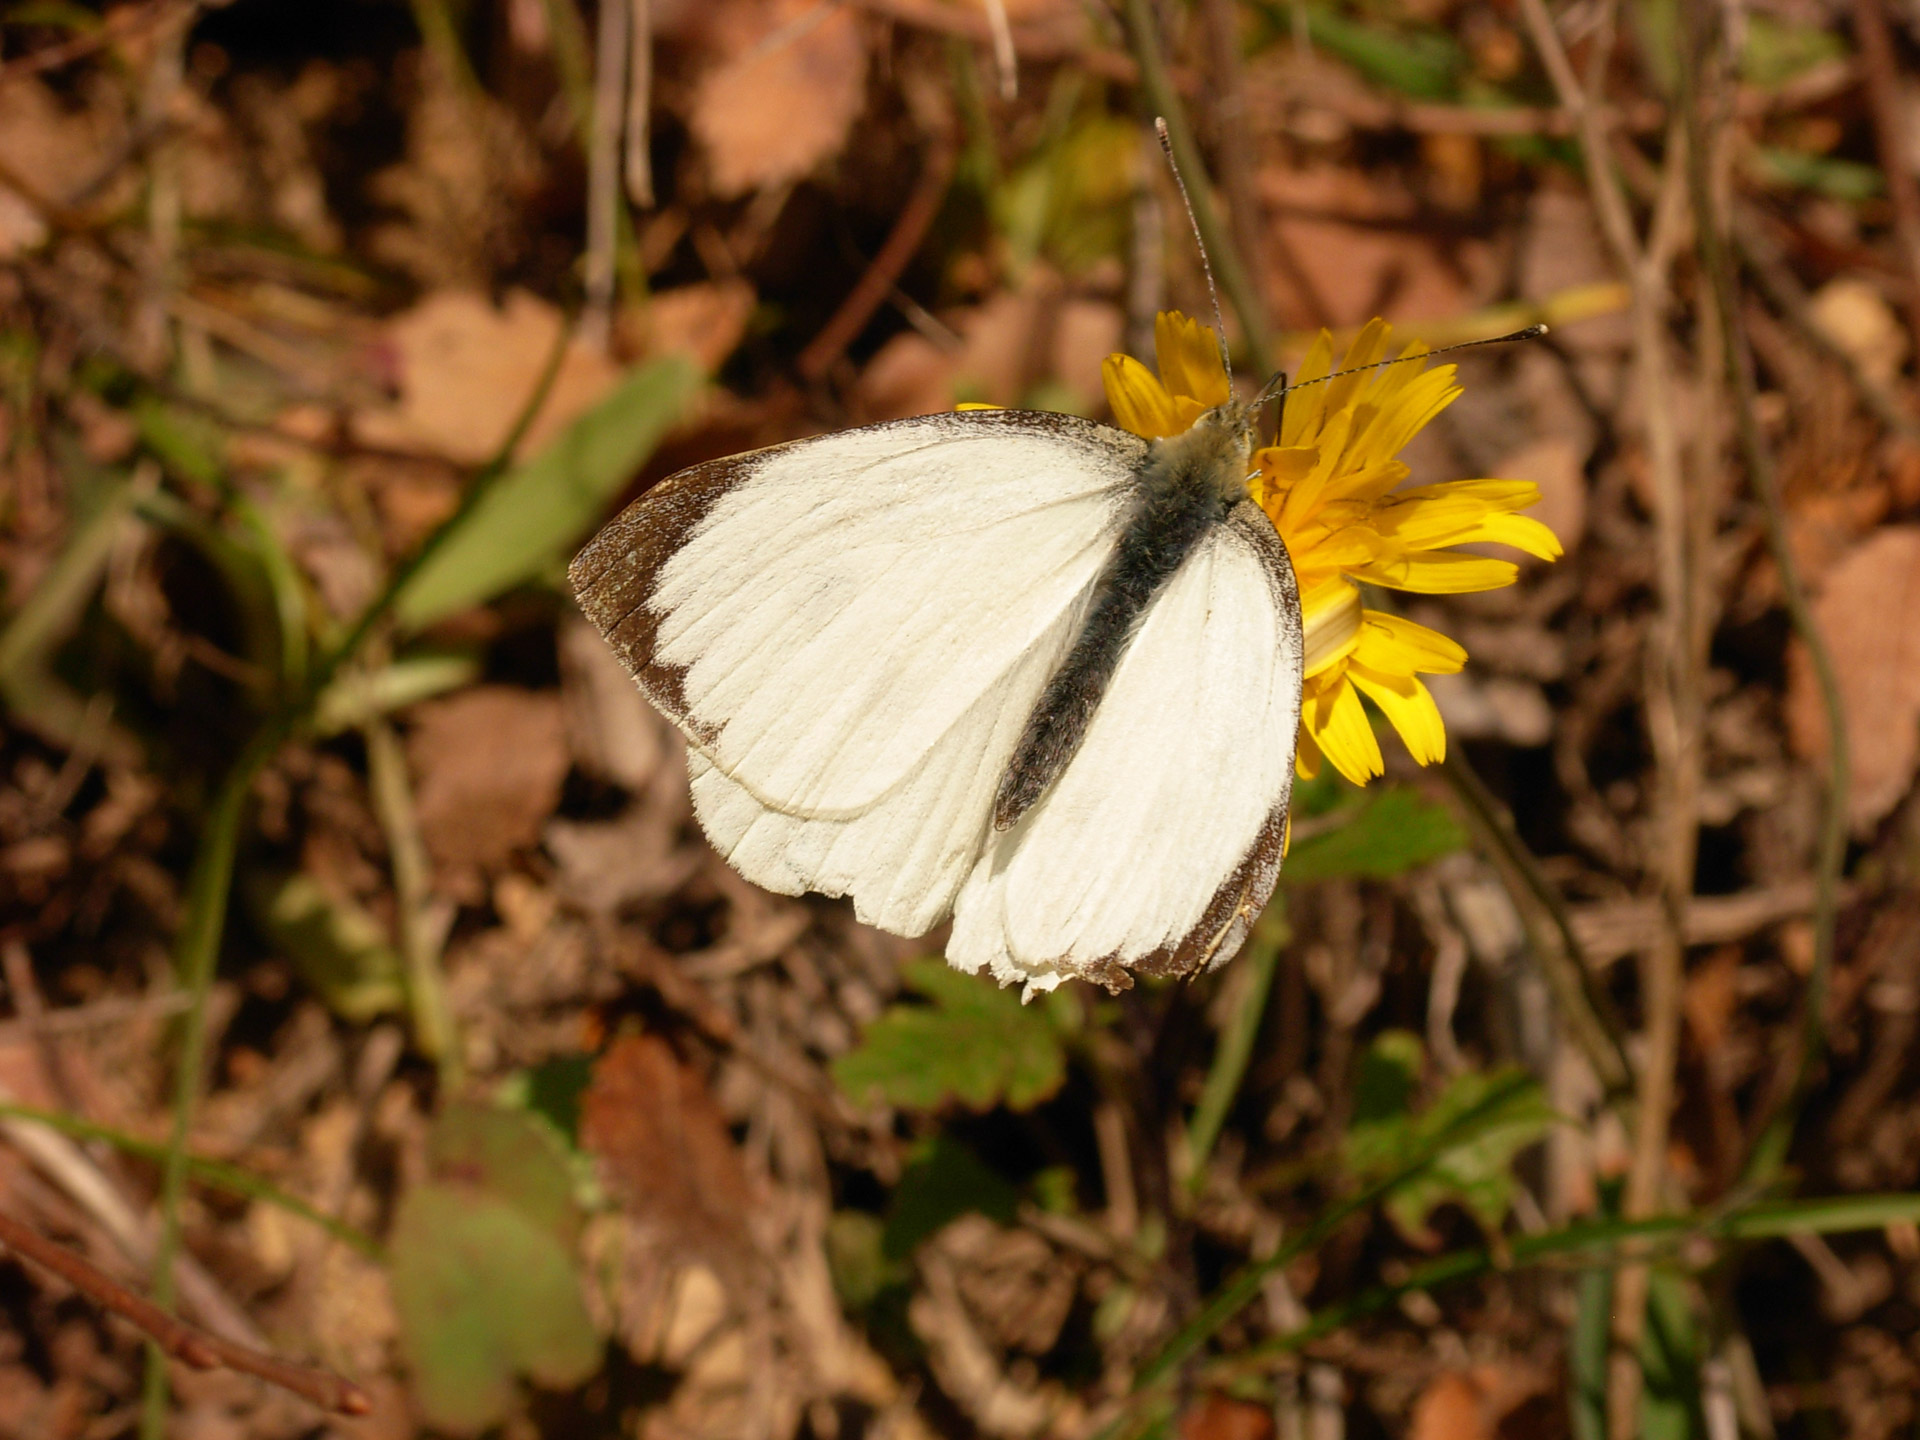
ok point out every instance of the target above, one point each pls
(1219, 1417)
(1869, 616)
(704, 321)
(664, 1149)
(489, 763)
(1343, 227)
(465, 371)
(1856, 317)
(1470, 1404)
(52, 149)
(783, 103)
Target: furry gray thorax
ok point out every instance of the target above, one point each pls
(1189, 483)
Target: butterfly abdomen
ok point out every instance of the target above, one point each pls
(1186, 488)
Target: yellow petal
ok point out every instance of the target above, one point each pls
(1522, 532)
(1409, 708)
(1411, 410)
(1438, 572)
(977, 405)
(1395, 646)
(1339, 727)
(1306, 756)
(1139, 401)
(1189, 358)
(1367, 348)
(1330, 617)
(1301, 409)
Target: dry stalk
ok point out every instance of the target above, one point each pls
(1674, 703)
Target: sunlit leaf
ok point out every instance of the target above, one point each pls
(1391, 832)
(973, 1042)
(1476, 1173)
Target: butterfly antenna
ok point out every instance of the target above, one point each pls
(1278, 385)
(1219, 328)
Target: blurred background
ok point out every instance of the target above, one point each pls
(371, 994)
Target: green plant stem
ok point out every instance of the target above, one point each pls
(1235, 1047)
(1830, 856)
(215, 1173)
(1232, 1297)
(433, 1028)
(1586, 1008)
(196, 954)
(197, 950)
(1143, 36)
(1598, 1242)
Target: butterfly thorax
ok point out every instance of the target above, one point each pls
(1189, 483)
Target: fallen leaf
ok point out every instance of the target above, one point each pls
(1220, 1417)
(664, 1150)
(704, 322)
(1855, 316)
(1868, 614)
(488, 766)
(466, 370)
(1470, 1404)
(783, 104)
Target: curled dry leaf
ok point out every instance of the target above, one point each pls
(783, 104)
(1869, 616)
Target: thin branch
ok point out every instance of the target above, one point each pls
(1674, 704)
(189, 1344)
(873, 287)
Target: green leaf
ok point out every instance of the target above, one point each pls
(1424, 63)
(484, 1274)
(1844, 180)
(358, 696)
(339, 948)
(975, 1043)
(1477, 1173)
(1777, 50)
(533, 514)
(1392, 832)
(484, 1295)
(1670, 1356)
(512, 1154)
(943, 1181)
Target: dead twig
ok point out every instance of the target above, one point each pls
(189, 1344)
(120, 25)
(873, 287)
(1674, 705)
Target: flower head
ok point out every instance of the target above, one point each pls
(1331, 484)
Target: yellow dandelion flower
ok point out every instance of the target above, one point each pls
(1331, 483)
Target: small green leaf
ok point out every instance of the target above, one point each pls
(1476, 1174)
(484, 1274)
(484, 1295)
(943, 1181)
(362, 695)
(535, 512)
(1394, 831)
(339, 949)
(975, 1043)
(512, 1155)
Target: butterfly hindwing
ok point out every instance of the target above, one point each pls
(1160, 841)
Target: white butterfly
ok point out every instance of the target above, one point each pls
(1026, 670)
